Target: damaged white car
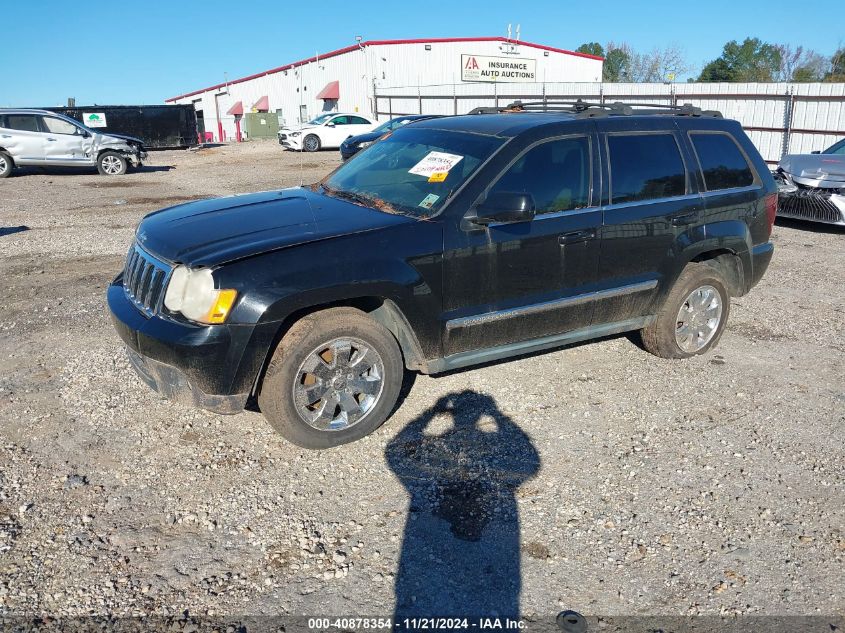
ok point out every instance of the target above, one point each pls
(812, 186)
(43, 138)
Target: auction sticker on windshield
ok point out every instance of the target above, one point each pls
(435, 163)
(429, 201)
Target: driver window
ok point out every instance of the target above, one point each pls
(58, 126)
(555, 173)
(340, 120)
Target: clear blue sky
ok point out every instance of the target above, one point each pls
(144, 51)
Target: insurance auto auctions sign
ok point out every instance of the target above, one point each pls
(502, 69)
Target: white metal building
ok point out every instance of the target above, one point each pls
(347, 79)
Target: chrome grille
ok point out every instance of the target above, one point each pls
(808, 205)
(145, 279)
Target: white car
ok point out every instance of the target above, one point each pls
(327, 130)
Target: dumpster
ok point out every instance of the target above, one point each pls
(159, 126)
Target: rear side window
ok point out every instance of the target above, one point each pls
(22, 122)
(555, 173)
(645, 167)
(722, 163)
(357, 120)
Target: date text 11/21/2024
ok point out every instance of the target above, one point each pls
(417, 623)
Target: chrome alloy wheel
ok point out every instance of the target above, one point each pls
(698, 319)
(112, 165)
(338, 384)
(311, 144)
(3, 164)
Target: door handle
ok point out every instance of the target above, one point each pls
(5, 136)
(52, 140)
(577, 236)
(683, 219)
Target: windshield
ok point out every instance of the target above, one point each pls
(412, 170)
(836, 148)
(392, 124)
(321, 119)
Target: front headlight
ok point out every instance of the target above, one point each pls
(192, 293)
(295, 134)
(365, 144)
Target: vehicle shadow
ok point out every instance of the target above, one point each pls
(76, 171)
(461, 462)
(11, 230)
(812, 227)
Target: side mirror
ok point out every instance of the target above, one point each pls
(505, 207)
(816, 151)
(330, 124)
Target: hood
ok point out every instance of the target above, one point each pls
(298, 128)
(363, 138)
(220, 230)
(815, 170)
(121, 137)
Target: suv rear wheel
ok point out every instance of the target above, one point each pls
(111, 164)
(693, 317)
(6, 165)
(334, 378)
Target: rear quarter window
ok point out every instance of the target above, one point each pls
(723, 164)
(22, 122)
(645, 167)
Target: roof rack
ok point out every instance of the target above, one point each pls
(588, 109)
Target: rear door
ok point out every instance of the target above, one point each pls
(26, 142)
(510, 283)
(731, 189)
(651, 204)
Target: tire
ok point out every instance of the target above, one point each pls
(311, 143)
(701, 293)
(290, 392)
(6, 165)
(111, 164)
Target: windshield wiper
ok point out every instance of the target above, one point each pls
(349, 195)
(363, 200)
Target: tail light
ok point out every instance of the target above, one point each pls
(771, 202)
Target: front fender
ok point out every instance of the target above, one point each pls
(402, 265)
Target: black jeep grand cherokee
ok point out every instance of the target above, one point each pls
(451, 242)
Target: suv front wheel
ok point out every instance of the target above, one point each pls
(333, 378)
(111, 164)
(693, 316)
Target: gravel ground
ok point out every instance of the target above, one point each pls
(596, 478)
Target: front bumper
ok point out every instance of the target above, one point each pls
(173, 384)
(214, 367)
(348, 151)
(816, 205)
(291, 142)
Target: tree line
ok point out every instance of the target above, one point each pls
(750, 60)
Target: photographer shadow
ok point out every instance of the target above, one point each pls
(461, 462)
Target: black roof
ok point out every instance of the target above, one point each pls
(518, 117)
(493, 124)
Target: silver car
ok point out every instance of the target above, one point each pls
(812, 186)
(41, 137)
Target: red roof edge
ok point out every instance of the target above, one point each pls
(349, 49)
